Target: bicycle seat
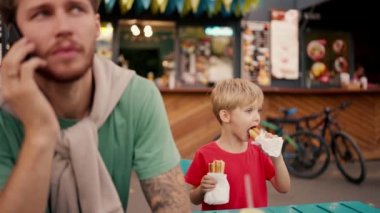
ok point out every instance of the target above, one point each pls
(288, 111)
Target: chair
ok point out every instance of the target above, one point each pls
(185, 164)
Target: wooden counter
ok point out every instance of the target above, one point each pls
(193, 123)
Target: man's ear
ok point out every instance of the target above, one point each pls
(97, 23)
(224, 116)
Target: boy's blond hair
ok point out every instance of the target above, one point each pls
(232, 93)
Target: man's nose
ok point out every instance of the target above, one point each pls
(62, 24)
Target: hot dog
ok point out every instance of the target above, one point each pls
(254, 132)
(217, 166)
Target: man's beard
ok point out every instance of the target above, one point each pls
(62, 79)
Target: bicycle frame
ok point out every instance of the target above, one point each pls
(278, 131)
(326, 124)
(344, 148)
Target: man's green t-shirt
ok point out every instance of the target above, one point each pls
(136, 136)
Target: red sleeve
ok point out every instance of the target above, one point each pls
(269, 167)
(197, 170)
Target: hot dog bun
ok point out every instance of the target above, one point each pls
(254, 132)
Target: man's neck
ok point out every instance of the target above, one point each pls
(71, 100)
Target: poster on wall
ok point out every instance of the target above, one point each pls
(327, 55)
(284, 44)
(256, 52)
(206, 55)
(104, 41)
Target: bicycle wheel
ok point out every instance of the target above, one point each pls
(348, 157)
(306, 154)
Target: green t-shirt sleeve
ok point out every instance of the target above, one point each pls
(154, 150)
(6, 154)
(11, 138)
(5, 162)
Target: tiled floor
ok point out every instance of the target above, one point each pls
(329, 187)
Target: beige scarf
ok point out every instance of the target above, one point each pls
(80, 181)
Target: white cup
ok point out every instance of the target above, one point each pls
(344, 78)
(364, 82)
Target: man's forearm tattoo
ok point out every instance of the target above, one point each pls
(167, 192)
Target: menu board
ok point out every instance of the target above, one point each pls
(256, 52)
(285, 44)
(104, 41)
(206, 55)
(327, 54)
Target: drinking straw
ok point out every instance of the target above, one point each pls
(248, 190)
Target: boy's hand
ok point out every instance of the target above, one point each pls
(269, 143)
(268, 135)
(208, 183)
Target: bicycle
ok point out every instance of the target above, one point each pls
(305, 153)
(348, 156)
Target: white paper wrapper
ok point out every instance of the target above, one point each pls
(271, 146)
(221, 192)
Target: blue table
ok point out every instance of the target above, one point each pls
(334, 207)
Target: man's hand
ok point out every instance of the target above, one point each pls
(20, 90)
(167, 192)
(27, 188)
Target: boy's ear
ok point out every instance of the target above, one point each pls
(224, 116)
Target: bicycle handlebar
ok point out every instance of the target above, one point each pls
(291, 111)
(288, 120)
(344, 105)
(287, 112)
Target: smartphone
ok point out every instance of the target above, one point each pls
(10, 35)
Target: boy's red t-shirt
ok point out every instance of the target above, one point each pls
(253, 161)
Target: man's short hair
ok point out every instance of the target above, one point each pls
(8, 9)
(232, 93)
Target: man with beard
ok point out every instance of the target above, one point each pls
(74, 125)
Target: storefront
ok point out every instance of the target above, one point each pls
(185, 46)
(297, 63)
(193, 44)
(190, 44)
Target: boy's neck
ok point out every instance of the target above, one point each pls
(231, 144)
